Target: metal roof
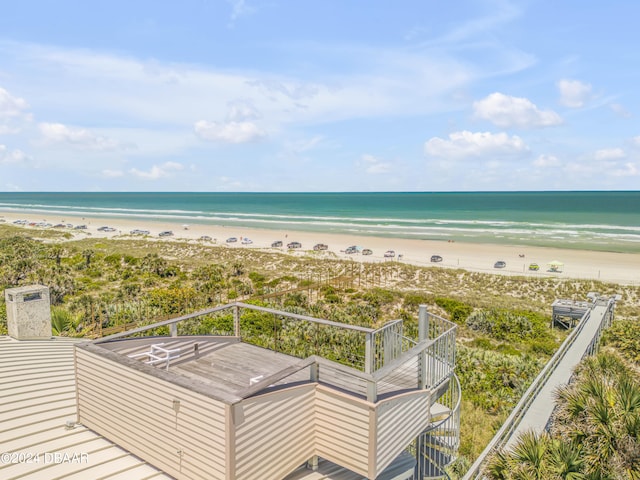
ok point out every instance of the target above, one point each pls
(37, 399)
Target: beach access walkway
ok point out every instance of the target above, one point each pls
(535, 409)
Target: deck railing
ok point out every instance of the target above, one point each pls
(362, 360)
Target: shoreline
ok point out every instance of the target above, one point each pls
(621, 268)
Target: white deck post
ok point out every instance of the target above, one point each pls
(236, 321)
(368, 354)
(173, 329)
(423, 334)
(314, 372)
(369, 360)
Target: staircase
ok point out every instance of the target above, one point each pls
(437, 446)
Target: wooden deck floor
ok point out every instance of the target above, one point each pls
(230, 365)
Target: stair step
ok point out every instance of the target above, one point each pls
(438, 410)
(431, 471)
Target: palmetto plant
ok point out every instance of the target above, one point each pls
(63, 322)
(596, 430)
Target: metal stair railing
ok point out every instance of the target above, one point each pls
(446, 431)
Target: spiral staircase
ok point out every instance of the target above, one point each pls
(437, 446)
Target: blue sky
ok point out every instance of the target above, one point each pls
(275, 95)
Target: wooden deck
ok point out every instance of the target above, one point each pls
(225, 363)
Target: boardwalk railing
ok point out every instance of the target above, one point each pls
(511, 423)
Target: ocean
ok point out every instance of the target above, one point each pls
(604, 221)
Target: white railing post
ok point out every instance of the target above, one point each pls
(369, 357)
(236, 321)
(369, 366)
(173, 329)
(423, 334)
(314, 374)
(423, 323)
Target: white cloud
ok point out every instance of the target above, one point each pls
(386, 82)
(373, 165)
(12, 109)
(57, 133)
(579, 168)
(229, 132)
(574, 93)
(609, 154)
(242, 111)
(240, 8)
(469, 144)
(11, 106)
(629, 169)
(506, 111)
(107, 173)
(298, 147)
(544, 161)
(620, 110)
(11, 157)
(7, 130)
(158, 171)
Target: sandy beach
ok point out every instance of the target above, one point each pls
(621, 268)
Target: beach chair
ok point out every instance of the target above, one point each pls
(157, 354)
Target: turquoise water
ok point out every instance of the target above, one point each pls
(607, 221)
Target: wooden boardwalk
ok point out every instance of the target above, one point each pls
(539, 412)
(535, 409)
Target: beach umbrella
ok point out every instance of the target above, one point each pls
(555, 266)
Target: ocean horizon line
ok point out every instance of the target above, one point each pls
(345, 192)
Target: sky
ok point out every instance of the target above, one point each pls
(331, 95)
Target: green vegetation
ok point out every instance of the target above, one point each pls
(623, 335)
(100, 287)
(595, 433)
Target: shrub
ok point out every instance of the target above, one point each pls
(171, 300)
(623, 335)
(327, 290)
(113, 259)
(483, 343)
(257, 278)
(512, 326)
(3, 318)
(546, 346)
(414, 300)
(492, 380)
(458, 311)
(296, 300)
(332, 298)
